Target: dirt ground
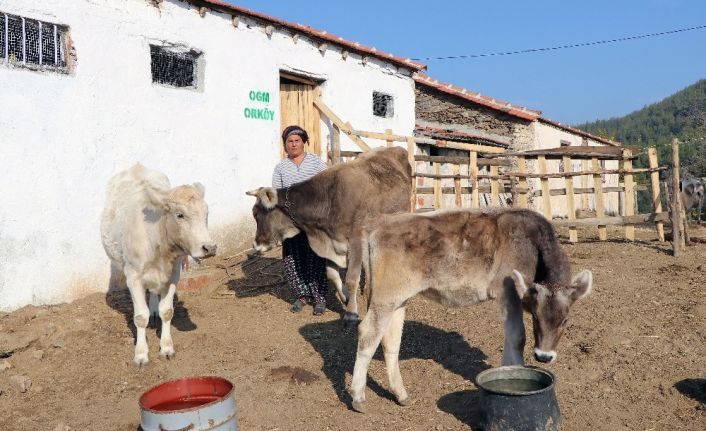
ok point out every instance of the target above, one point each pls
(632, 358)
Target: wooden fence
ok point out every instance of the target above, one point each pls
(528, 179)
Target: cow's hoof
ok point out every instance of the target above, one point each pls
(350, 320)
(359, 406)
(141, 361)
(169, 354)
(405, 401)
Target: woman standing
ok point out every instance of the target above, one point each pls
(305, 270)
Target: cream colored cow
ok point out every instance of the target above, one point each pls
(147, 227)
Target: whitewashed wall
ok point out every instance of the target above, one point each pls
(63, 136)
(549, 136)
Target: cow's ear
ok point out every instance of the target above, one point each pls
(201, 189)
(581, 284)
(689, 189)
(268, 197)
(520, 284)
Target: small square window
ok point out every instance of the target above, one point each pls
(174, 66)
(31, 43)
(382, 105)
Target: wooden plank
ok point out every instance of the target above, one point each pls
(494, 187)
(678, 236)
(612, 221)
(411, 148)
(457, 185)
(473, 172)
(522, 167)
(629, 194)
(580, 173)
(336, 144)
(546, 197)
(587, 152)
(452, 190)
(438, 204)
(462, 160)
(600, 204)
(570, 210)
(470, 147)
(654, 183)
(381, 136)
(344, 127)
(388, 137)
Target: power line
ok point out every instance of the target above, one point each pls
(554, 48)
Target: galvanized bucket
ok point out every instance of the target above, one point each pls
(517, 398)
(190, 404)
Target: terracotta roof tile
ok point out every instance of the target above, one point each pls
(508, 108)
(314, 33)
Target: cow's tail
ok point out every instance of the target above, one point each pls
(365, 259)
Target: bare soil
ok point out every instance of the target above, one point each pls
(632, 358)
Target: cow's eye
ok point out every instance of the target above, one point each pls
(179, 215)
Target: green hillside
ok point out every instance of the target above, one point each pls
(681, 115)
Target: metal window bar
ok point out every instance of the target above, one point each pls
(24, 42)
(56, 48)
(3, 37)
(39, 39)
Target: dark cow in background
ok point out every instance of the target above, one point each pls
(691, 191)
(462, 257)
(332, 208)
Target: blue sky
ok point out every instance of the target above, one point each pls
(570, 85)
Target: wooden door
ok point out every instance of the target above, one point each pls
(297, 107)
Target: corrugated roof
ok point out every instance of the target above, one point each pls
(499, 105)
(312, 32)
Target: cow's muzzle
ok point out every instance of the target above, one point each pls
(544, 357)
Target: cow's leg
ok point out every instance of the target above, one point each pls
(514, 326)
(334, 277)
(166, 312)
(370, 333)
(391, 349)
(355, 260)
(141, 316)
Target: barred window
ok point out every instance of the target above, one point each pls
(382, 105)
(30, 42)
(174, 66)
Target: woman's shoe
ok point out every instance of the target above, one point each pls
(297, 306)
(319, 308)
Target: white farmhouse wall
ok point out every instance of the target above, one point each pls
(63, 136)
(549, 136)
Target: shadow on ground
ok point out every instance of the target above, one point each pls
(337, 347)
(693, 388)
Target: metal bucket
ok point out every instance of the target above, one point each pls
(517, 398)
(190, 404)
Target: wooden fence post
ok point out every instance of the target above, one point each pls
(411, 145)
(522, 167)
(598, 196)
(473, 171)
(546, 197)
(438, 204)
(336, 145)
(457, 185)
(570, 207)
(388, 141)
(656, 199)
(494, 187)
(678, 244)
(629, 194)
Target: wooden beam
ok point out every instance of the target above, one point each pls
(461, 160)
(678, 243)
(494, 187)
(570, 210)
(473, 173)
(457, 186)
(582, 152)
(470, 147)
(438, 204)
(600, 204)
(336, 144)
(411, 148)
(656, 199)
(344, 127)
(629, 194)
(580, 173)
(388, 140)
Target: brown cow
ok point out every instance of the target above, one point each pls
(459, 258)
(332, 208)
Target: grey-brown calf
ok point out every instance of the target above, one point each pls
(459, 258)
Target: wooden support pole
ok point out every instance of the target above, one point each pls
(546, 197)
(600, 204)
(584, 184)
(473, 172)
(494, 187)
(438, 198)
(411, 146)
(629, 194)
(656, 199)
(345, 127)
(336, 145)
(457, 185)
(570, 210)
(678, 244)
(388, 140)
(522, 167)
